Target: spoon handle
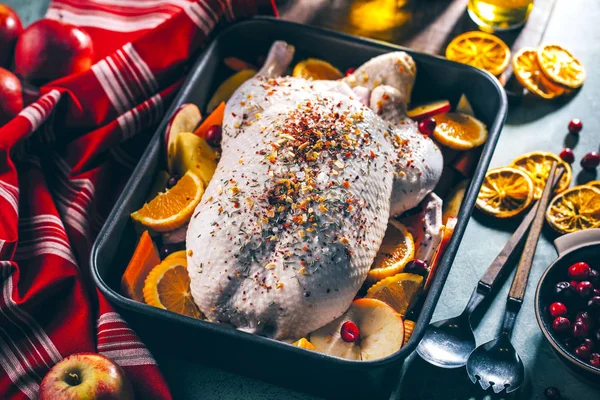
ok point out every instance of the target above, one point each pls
(517, 290)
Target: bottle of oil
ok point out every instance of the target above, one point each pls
(499, 15)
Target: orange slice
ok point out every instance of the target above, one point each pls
(575, 210)
(409, 327)
(176, 254)
(594, 184)
(561, 66)
(144, 259)
(481, 50)
(505, 192)
(398, 291)
(537, 165)
(459, 131)
(173, 208)
(304, 344)
(529, 73)
(168, 287)
(396, 250)
(313, 68)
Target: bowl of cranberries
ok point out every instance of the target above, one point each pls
(567, 303)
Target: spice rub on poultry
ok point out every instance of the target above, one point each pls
(310, 172)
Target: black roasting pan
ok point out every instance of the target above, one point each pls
(332, 377)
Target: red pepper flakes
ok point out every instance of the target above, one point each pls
(346, 184)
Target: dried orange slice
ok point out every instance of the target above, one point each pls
(481, 50)
(173, 208)
(168, 287)
(574, 210)
(505, 192)
(303, 343)
(398, 291)
(594, 184)
(529, 73)
(459, 131)
(409, 327)
(313, 68)
(537, 165)
(396, 250)
(561, 66)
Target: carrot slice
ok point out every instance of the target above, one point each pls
(215, 118)
(466, 162)
(145, 257)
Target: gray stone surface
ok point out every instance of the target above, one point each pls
(532, 125)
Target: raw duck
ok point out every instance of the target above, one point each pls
(298, 206)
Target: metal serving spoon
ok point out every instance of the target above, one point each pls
(449, 342)
(496, 363)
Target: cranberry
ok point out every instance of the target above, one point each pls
(575, 126)
(579, 271)
(589, 343)
(350, 71)
(418, 267)
(591, 160)
(585, 289)
(567, 155)
(427, 126)
(214, 135)
(580, 329)
(349, 332)
(575, 284)
(552, 393)
(561, 324)
(558, 309)
(594, 277)
(564, 290)
(594, 304)
(595, 360)
(171, 182)
(584, 317)
(583, 352)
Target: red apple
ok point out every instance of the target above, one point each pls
(85, 376)
(429, 110)
(10, 29)
(11, 96)
(48, 50)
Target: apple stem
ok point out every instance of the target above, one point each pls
(73, 378)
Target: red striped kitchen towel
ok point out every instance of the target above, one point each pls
(64, 160)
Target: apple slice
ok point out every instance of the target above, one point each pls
(380, 332)
(185, 119)
(428, 110)
(190, 152)
(464, 106)
(454, 200)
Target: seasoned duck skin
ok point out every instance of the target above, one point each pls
(296, 211)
